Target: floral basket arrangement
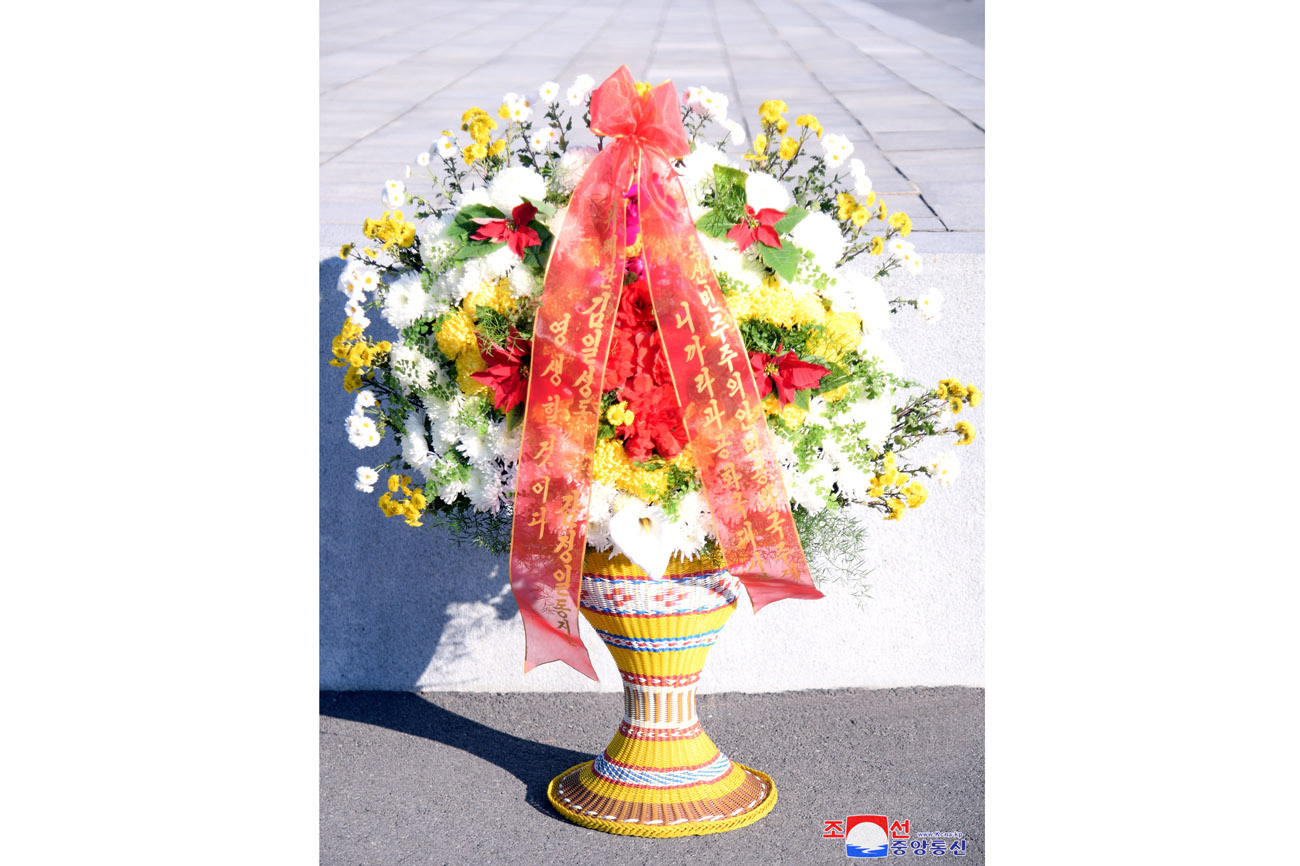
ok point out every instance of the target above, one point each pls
(653, 372)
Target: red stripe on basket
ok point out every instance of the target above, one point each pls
(671, 680)
(622, 784)
(636, 732)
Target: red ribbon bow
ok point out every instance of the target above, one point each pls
(710, 370)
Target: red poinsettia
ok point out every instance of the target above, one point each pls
(785, 372)
(507, 372)
(757, 226)
(513, 232)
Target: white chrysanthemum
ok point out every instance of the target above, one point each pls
(484, 489)
(413, 370)
(523, 284)
(415, 448)
(599, 511)
(446, 147)
(819, 234)
(736, 132)
(484, 271)
(855, 292)
(405, 301)
(808, 489)
(549, 92)
(944, 467)
(475, 448)
(571, 168)
(576, 96)
(584, 82)
(354, 309)
(762, 190)
(696, 173)
(514, 184)
(473, 195)
(504, 443)
(783, 450)
(694, 525)
(853, 482)
(423, 160)
(708, 102)
(897, 246)
(861, 183)
(366, 478)
(365, 400)
(394, 194)
(877, 416)
(874, 346)
(362, 431)
(433, 240)
(929, 306)
(725, 258)
(911, 262)
(443, 291)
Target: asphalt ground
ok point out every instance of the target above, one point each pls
(460, 778)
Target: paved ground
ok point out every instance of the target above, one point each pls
(910, 96)
(457, 778)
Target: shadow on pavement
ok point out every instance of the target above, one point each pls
(533, 763)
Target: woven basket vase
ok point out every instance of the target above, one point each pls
(661, 775)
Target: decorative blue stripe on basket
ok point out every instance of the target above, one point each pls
(661, 778)
(660, 644)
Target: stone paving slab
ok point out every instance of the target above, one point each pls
(394, 73)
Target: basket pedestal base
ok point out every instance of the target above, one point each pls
(661, 775)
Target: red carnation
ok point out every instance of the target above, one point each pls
(757, 226)
(513, 232)
(507, 372)
(784, 372)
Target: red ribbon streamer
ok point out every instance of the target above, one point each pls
(710, 370)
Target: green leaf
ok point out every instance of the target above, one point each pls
(803, 399)
(471, 212)
(542, 207)
(716, 223)
(792, 218)
(514, 417)
(474, 249)
(784, 260)
(728, 179)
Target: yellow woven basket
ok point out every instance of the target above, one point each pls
(661, 775)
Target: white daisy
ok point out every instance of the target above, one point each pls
(944, 467)
(366, 478)
(549, 91)
(362, 431)
(735, 131)
(930, 305)
(861, 183)
(365, 400)
(446, 147)
(394, 194)
(423, 160)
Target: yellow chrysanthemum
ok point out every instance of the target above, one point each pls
(966, 430)
(344, 250)
(467, 363)
(902, 222)
(837, 394)
(480, 129)
(468, 116)
(456, 336)
(808, 310)
(881, 210)
(467, 154)
(760, 143)
(392, 229)
(352, 380)
(860, 216)
(498, 147)
(973, 395)
(361, 355)
(791, 414)
(955, 404)
(618, 415)
(504, 111)
(494, 295)
(809, 121)
(843, 331)
(789, 148)
(896, 508)
(771, 303)
(915, 494)
(770, 110)
(846, 204)
(877, 245)
(782, 125)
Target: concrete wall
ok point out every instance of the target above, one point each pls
(404, 608)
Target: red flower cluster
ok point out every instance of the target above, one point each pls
(639, 369)
(513, 232)
(785, 372)
(507, 371)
